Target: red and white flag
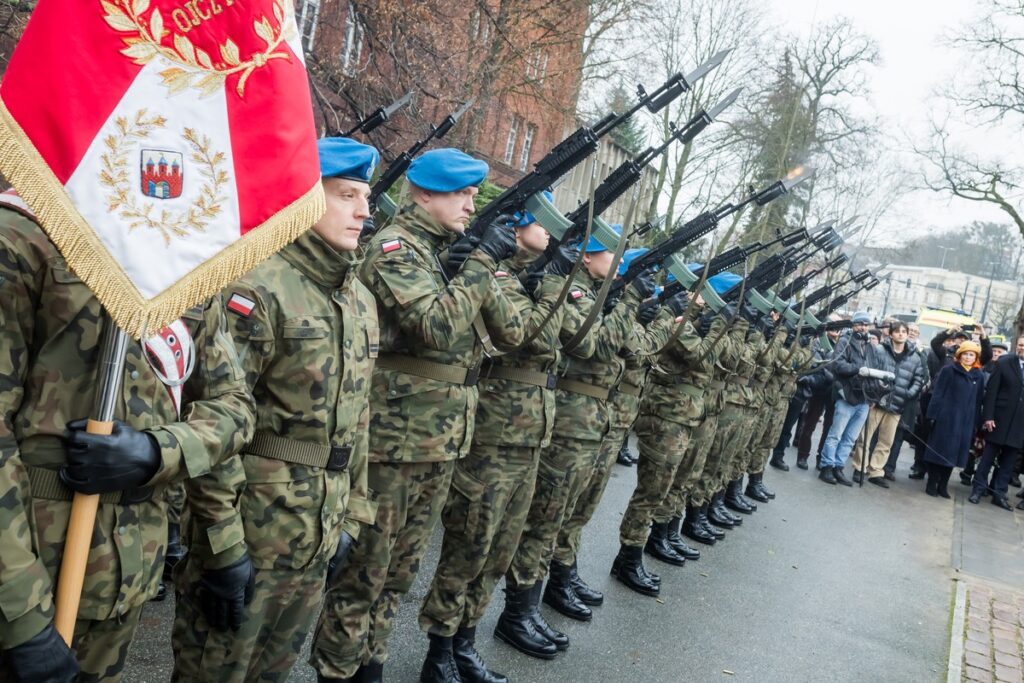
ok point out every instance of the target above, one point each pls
(167, 147)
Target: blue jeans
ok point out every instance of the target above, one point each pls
(846, 426)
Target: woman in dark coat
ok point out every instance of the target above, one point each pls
(954, 411)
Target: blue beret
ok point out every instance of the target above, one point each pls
(861, 317)
(346, 158)
(723, 282)
(629, 256)
(593, 246)
(670, 278)
(446, 170)
(520, 219)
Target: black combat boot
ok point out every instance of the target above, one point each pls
(371, 672)
(586, 594)
(175, 552)
(472, 668)
(759, 485)
(624, 457)
(706, 524)
(719, 504)
(675, 539)
(658, 547)
(560, 596)
(693, 528)
(734, 499)
(560, 640)
(627, 568)
(778, 462)
(320, 678)
(439, 666)
(717, 514)
(753, 491)
(516, 625)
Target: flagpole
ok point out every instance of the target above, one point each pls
(109, 377)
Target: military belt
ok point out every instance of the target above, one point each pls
(576, 387)
(522, 375)
(629, 389)
(46, 485)
(453, 374)
(267, 445)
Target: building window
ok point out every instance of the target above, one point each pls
(479, 26)
(309, 13)
(536, 65)
(352, 48)
(513, 134)
(524, 156)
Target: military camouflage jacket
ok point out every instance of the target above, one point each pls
(512, 413)
(307, 345)
(414, 418)
(768, 358)
(678, 386)
(740, 361)
(601, 362)
(50, 328)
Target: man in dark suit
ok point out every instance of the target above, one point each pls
(1003, 418)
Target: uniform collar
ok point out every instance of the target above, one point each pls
(319, 261)
(417, 221)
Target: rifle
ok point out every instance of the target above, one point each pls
(397, 168)
(378, 117)
(842, 299)
(802, 281)
(567, 154)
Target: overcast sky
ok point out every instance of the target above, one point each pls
(914, 62)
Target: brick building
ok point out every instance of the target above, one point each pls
(525, 80)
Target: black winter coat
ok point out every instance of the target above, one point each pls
(851, 354)
(1004, 403)
(910, 376)
(954, 410)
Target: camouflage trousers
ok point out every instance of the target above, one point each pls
(698, 460)
(361, 605)
(265, 648)
(662, 446)
(731, 439)
(567, 545)
(175, 495)
(564, 470)
(490, 496)
(767, 436)
(101, 648)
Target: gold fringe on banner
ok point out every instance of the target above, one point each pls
(86, 255)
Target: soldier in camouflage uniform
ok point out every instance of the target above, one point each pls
(264, 526)
(493, 485)
(50, 333)
(672, 409)
(623, 408)
(590, 367)
(423, 399)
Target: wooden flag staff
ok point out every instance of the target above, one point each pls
(109, 377)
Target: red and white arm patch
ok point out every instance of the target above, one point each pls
(390, 246)
(241, 305)
(500, 273)
(575, 294)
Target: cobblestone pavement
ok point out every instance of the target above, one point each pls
(993, 634)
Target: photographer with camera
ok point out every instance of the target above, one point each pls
(854, 355)
(899, 358)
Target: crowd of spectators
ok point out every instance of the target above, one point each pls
(957, 400)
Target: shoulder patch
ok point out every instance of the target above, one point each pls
(241, 305)
(500, 273)
(390, 246)
(575, 294)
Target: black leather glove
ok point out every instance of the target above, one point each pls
(337, 563)
(98, 463)
(44, 658)
(460, 251)
(644, 284)
(499, 241)
(224, 593)
(533, 280)
(647, 312)
(369, 227)
(564, 260)
(704, 326)
(677, 304)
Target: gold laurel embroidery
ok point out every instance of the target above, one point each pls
(195, 68)
(122, 198)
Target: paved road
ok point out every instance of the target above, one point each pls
(823, 584)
